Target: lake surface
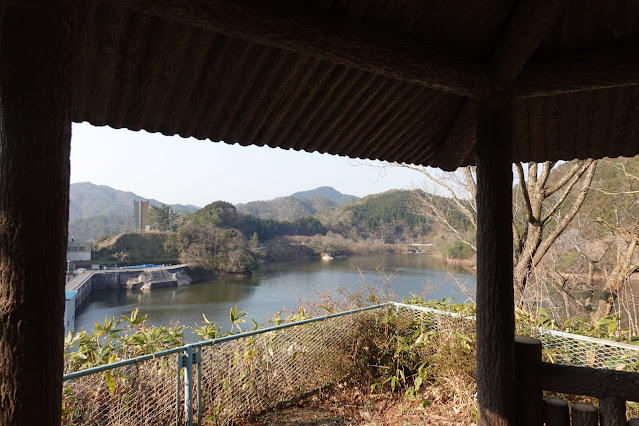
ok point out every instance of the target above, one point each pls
(276, 286)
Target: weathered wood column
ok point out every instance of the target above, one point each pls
(35, 129)
(495, 374)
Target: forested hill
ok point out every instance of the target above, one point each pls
(96, 210)
(297, 205)
(392, 216)
(88, 200)
(326, 192)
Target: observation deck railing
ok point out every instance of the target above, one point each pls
(223, 380)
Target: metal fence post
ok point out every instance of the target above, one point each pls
(188, 385)
(180, 364)
(197, 358)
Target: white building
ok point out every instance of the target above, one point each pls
(78, 250)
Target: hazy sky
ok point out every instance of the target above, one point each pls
(189, 171)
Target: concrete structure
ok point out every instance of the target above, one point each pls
(69, 310)
(140, 212)
(131, 279)
(78, 250)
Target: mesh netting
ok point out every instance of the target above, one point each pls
(252, 374)
(582, 351)
(558, 347)
(144, 393)
(247, 374)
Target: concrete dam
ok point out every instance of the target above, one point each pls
(81, 286)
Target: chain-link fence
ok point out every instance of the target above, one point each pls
(219, 381)
(582, 351)
(255, 373)
(558, 347)
(223, 380)
(143, 392)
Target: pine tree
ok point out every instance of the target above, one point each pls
(254, 242)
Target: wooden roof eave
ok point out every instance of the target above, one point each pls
(313, 32)
(317, 33)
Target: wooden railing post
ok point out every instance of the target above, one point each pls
(529, 394)
(584, 414)
(613, 411)
(556, 412)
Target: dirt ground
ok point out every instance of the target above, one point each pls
(348, 404)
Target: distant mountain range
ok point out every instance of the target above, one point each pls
(297, 205)
(327, 192)
(96, 210)
(88, 200)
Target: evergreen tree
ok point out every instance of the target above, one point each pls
(254, 242)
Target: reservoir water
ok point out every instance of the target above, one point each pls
(276, 286)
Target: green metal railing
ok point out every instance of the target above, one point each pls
(215, 381)
(221, 381)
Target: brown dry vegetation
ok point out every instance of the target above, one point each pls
(444, 359)
(348, 403)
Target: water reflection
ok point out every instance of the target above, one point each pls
(275, 286)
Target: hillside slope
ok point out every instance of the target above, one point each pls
(326, 192)
(88, 200)
(297, 205)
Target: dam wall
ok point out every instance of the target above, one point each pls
(131, 279)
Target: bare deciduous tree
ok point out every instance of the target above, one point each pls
(544, 204)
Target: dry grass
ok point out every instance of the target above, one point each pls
(447, 396)
(351, 404)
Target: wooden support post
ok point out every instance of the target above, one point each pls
(496, 389)
(584, 414)
(556, 412)
(35, 128)
(612, 410)
(529, 394)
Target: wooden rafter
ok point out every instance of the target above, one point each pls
(589, 71)
(459, 140)
(529, 23)
(295, 27)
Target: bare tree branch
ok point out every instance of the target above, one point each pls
(524, 191)
(471, 188)
(565, 178)
(616, 228)
(545, 173)
(589, 165)
(563, 223)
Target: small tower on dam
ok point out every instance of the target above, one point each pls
(140, 211)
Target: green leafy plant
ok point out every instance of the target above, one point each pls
(237, 318)
(208, 331)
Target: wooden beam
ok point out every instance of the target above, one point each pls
(294, 26)
(578, 73)
(595, 382)
(528, 25)
(459, 140)
(495, 374)
(35, 100)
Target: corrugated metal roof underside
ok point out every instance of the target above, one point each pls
(138, 72)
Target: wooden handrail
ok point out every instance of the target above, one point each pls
(612, 388)
(587, 381)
